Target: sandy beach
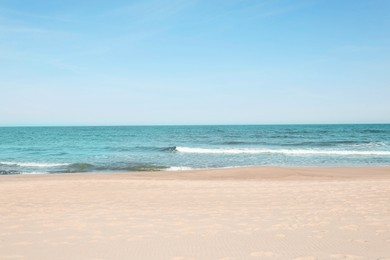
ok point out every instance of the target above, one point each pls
(226, 214)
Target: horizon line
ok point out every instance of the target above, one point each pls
(151, 125)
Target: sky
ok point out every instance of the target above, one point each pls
(152, 62)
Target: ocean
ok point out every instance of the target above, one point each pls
(34, 150)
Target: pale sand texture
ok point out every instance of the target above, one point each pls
(247, 213)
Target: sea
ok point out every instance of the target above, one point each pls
(52, 150)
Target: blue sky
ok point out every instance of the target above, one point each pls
(84, 62)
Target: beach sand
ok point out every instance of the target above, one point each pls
(241, 213)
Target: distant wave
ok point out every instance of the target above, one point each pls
(142, 148)
(291, 143)
(240, 143)
(168, 149)
(335, 143)
(278, 151)
(376, 131)
(308, 143)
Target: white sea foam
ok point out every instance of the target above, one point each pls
(179, 168)
(279, 151)
(33, 164)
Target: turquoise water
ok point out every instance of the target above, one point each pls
(137, 148)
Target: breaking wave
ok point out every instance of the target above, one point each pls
(32, 164)
(35, 168)
(279, 151)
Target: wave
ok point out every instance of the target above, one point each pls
(279, 151)
(80, 167)
(144, 168)
(32, 164)
(168, 149)
(11, 172)
(141, 148)
(87, 167)
(335, 143)
(240, 143)
(307, 143)
(376, 131)
(14, 167)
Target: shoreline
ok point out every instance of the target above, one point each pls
(236, 173)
